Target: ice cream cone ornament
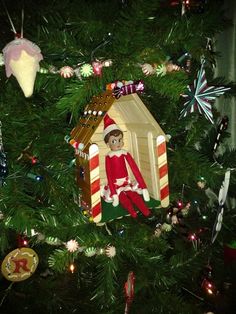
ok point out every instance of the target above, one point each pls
(21, 59)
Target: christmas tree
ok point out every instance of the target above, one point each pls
(55, 257)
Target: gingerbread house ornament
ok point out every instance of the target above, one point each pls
(143, 138)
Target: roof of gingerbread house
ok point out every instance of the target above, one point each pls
(133, 111)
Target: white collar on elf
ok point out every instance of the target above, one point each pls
(117, 153)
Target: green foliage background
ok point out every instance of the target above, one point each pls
(167, 269)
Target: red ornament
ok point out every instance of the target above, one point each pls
(97, 68)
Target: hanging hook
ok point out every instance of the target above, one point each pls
(10, 20)
(102, 44)
(22, 24)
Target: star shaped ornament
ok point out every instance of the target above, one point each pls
(200, 96)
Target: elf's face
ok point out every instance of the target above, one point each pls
(115, 142)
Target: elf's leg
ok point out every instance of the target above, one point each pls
(127, 204)
(139, 202)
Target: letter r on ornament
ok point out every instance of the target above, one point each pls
(20, 263)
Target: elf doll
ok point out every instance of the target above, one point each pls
(119, 188)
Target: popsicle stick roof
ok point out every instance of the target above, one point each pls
(131, 108)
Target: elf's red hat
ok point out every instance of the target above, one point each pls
(109, 125)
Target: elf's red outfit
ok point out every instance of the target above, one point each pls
(119, 188)
(120, 184)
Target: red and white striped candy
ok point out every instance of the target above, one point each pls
(66, 72)
(162, 170)
(95, 183)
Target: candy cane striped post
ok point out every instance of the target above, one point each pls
(129, 291)
(96, 206)
(162, 170)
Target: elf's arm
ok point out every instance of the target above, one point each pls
(137, 174)
(110, 181)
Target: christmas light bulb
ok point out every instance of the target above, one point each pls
(25, 242)
(208, 286)
(121, 232)
(193, 237)
(34, 177)
(22, 241)
(72, 268)
(34, 160)
(180, 204)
